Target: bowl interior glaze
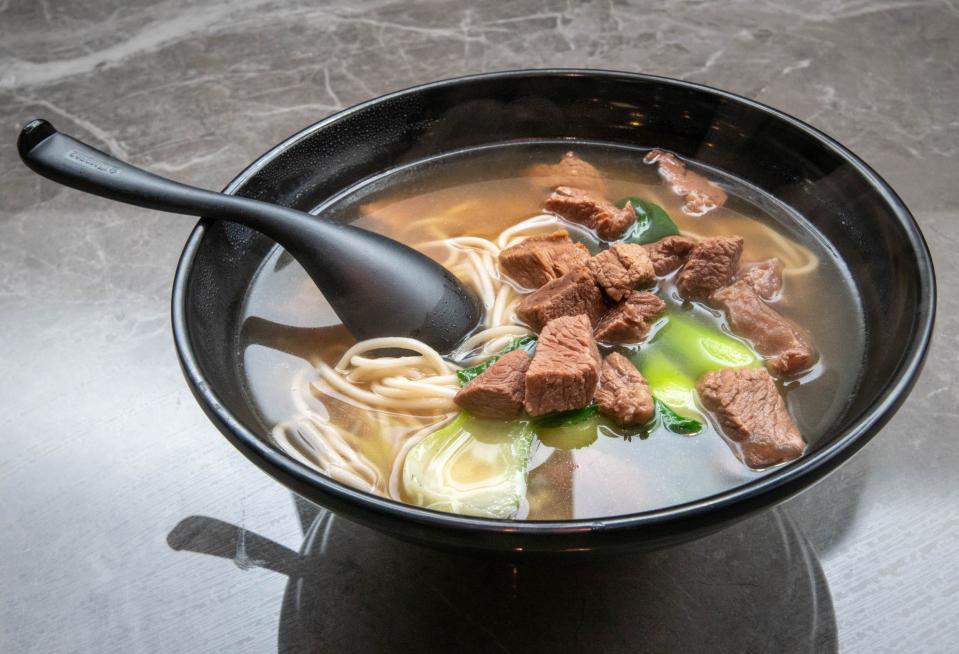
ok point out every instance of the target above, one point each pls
(855, 211)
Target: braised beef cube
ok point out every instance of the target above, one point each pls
(585, 208)
(710, 266)
(570, 171)
(622, 268)
(701, 195)
(787, 346)
(766, 277)
(669, 253)
(572, 294)
(623, 395)
(499, 390)
(539, 259)
(630, 320)
(565, 368)
(751, 412)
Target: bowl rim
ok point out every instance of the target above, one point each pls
(814, 465)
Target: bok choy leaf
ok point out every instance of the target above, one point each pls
(472, 466)
(676, 423)
(652, 222)
(568, 430)
(674, 392)
(566, 418)
(698, 348)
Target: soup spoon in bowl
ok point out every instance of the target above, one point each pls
(376, 286)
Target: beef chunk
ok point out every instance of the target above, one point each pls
(787, 346)
(766, 277)
(539, 259)
(710, 266)
(498, 392)
(585, 208)
(751, 413)
(630, 320)
(572, 294)
(668, 254)
(570, 171)
(623, 394)
(701, 195)
(622, 268)
(565, 368)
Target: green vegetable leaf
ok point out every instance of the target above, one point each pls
(472, 466)
(673, 390)
(699, 348)
(667, 381)
(572, 437)
(568, 430)
(652, 222)
(676, 423)
(565, 418)
(466, 375)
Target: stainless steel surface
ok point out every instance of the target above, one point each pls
(105, 453)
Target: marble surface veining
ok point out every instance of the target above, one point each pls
(106, 456)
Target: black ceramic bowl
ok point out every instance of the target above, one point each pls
(852, 207)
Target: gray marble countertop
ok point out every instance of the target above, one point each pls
(114, 484)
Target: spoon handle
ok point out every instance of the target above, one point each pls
(71, 162)
(68, 161)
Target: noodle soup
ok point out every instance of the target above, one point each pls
(383, 416)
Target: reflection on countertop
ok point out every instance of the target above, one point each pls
(755, 587)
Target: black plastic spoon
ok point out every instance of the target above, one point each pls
(377, 286)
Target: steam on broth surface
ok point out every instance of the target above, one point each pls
(463, 210)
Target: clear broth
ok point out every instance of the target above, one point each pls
(288, 324)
